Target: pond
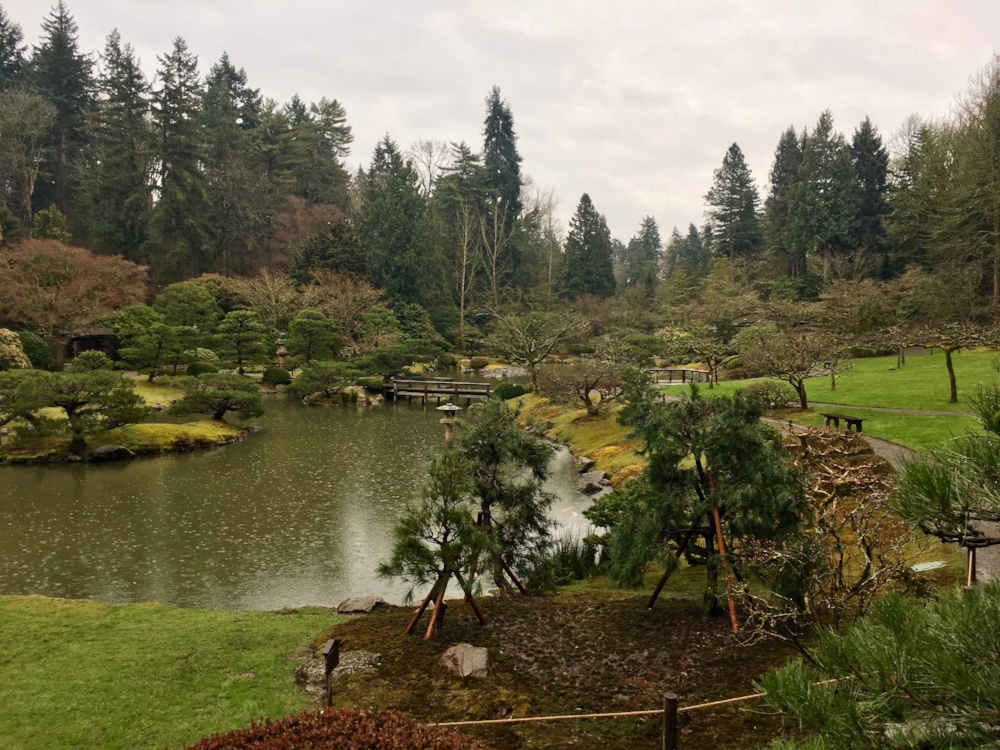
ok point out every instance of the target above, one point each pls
(299, 513)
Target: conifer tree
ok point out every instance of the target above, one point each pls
(871, 169)
(644, 255)
(733, 201)
(12, 60)
(824, 204)
(502, 179)
(587, 266)
(180, 217)
(783, 179)
(63, 75)
(117, 179)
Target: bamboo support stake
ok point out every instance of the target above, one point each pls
(723, 557)
(667, 573)
(470, 598)
(437, 608)
(420, 612)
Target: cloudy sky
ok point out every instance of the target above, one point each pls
(632, 102)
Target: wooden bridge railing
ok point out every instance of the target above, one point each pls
(437, 389)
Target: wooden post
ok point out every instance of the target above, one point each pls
(425, 392)
(722, 556)
(470, 598)
(437, 607)
(668, 571)
(513, 577)
(970, 566)
(670, 721)
(420, 611)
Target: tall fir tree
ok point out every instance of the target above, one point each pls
(64, 76)
(644, 253)
(12, 48)
(502, 178)
(824, 203)
(180, 219)
(117, 176)
(587, 266)
(871, 169)
(230, 108)
(734, 201)
(783, 180)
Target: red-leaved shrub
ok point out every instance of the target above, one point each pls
(341, 730)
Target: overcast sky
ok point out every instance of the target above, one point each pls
(632, 102)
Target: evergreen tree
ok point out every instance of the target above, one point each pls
(783, 180)
(502, 179)
(188, 303)
(644, 254)
(63, 75)
(241, 339)
(824, 204)
(11, 51)
(311, 336)
(324, 141)
(117, 175)
(871, 169)
(229, 109)
(734, 202)
(390, 223)
(334, 247)
(587, 267)
(181, 214)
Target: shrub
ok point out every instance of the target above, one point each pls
(90, 361)
(277, 376)
(772, 394)
(737, 373)
(35, 348)
(579, 349)
(207, 355)
(446, 360)
(341, 730)
(200, 368)
(12, 356)
(478, 363)
(506, 391)
(371, 384)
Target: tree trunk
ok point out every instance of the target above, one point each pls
(951, 375)
(710, 601)
(833, 380)
(826, 264)
(800, 388)
(996, 281)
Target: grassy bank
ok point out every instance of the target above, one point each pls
(146, 438)
(87, 675)
(600, 438)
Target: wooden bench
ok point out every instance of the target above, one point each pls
(851, 421)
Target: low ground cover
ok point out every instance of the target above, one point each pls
(88, 675)
(160, 392)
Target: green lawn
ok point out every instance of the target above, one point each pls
(921, 384)
(86, 675)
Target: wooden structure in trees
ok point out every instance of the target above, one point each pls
(437, 388)
(679, 374)
(834, 419)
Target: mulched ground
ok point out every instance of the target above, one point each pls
(580, 651)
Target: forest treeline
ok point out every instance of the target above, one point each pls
(191, 173)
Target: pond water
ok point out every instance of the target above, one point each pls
(299, 513)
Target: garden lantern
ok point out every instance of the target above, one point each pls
(448, 420)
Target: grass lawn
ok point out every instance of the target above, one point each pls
(158, 393)
(86, 675)
(916, 432)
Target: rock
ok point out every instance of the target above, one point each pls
(74, 459)
(359, 605)
(311, 676)
(583, 464)
(111, 453)
(593, 481)
(466, 660)
(254, 429)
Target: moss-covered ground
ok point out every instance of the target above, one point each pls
(587, 649)
(78, 674)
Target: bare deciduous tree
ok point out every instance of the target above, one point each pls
(429, 158)
(528, 339)
(342, 297)
(25, 121)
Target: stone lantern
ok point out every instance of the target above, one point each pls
(448, 420)
(282, 350)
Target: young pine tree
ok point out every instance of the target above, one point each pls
(587, 265)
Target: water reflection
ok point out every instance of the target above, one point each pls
(298, 514)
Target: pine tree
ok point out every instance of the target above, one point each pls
(587, 267)
(919, 177)
(389, 221)
(230, 108)
(734, 202)
(644, 254)
(12, 60)
(824, 204)
(181, 215)
(63, 75)
(871, 169)
(783, 180)
(502, 178)
(117, 178)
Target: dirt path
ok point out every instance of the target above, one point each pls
(917, 412)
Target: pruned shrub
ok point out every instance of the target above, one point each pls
(35, 348)
(478, 363)
(200, 368)
(446, 360)
(341, 730)
(207, 355)
(736, 373)
(774, 395)
(506, 391)
(277, 376)
(580, 349)
(371, 384)
(90, 361)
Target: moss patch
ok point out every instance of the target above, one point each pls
(586, 649)
(158, 393)
(600, 438)
(139, 438)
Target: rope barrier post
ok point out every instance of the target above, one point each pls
(670, 721)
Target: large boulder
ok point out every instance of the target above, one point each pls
(583, 464)
(466, 660)
(111, 453)
(359, 605)
(592, 482)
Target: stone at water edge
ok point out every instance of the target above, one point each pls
(583, 464)
(110, 453)
(359, 605)
(466, 660)
(593, 481)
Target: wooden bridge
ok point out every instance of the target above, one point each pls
(680, 374)
(434, 388)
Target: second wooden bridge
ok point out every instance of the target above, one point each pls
(434, 389)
